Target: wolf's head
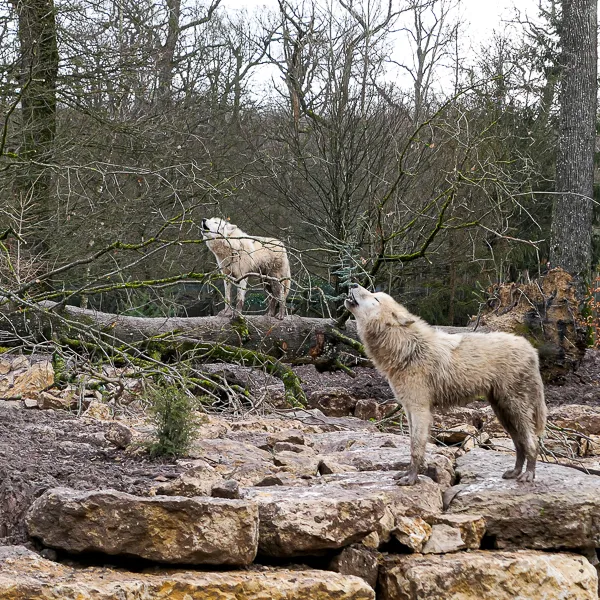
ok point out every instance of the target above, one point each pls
(376, 309)
(216, 228)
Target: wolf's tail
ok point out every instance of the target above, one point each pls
(540, 413)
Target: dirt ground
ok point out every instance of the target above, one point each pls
(42, 449)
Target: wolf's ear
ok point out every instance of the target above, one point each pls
(402, 321)
(229, 228)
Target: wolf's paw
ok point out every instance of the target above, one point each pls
(511, 474)
(409, 478)
(526, 477)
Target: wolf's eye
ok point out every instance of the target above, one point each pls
(377, 300)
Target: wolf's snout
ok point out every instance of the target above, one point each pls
(352, 286)
(203, 224)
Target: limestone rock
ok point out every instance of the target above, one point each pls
(444, 539)
(118, 434)
(412, 532)
(197, 481)
(423, 500)
(36, 378)
(229, 452)
(163, 529)
(334, 402)
(297, 521)
(98, 410)
(372, 409)
(383, 453)
(501, 444)
(471, 527)
(20, 363)
(371, 541)
(5, 384)
(46, 400)
(483, 575)
(328, 466)
(291, 447)
(464, 435)
(357, 561)
(228, 488)
(288, 436)
(245, 463)
(341, 441)
(558, 510)
(282, 478)
(585, 419)
(300, 464)
(591, 446)
(25, 575)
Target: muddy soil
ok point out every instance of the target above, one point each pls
(580, 387)
(43, 449)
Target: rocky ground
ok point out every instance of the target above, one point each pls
(297, 504)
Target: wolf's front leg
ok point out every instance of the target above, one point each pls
(228, 310)
(419, 424)
(241, 295)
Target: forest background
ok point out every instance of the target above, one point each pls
(380, 140)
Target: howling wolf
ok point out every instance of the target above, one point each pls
(429, 368)
(240, 256)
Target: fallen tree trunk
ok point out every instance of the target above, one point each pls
(296, 340)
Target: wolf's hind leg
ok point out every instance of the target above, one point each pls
(520, 426)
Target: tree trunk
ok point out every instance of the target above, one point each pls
(167, 53)
(571, 238)
(39, 70)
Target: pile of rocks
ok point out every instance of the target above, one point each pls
(317, 491)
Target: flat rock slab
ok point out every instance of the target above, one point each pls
(24, 575)
(558, 510)
(297, 521)
(337, 510)
(379, 452)
(167, 529)
(483, 575)
(424, 499)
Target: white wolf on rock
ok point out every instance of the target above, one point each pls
(240, 255)
(429, 368)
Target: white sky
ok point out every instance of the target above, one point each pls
(479, 18)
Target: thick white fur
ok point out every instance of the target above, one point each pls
(240, 256)
(429, 368)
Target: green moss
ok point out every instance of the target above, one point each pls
(240, 326)
(525, 331)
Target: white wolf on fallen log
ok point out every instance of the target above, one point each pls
(240, 256)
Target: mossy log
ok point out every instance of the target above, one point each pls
(295, 340)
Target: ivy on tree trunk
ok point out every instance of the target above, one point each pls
(571, 237)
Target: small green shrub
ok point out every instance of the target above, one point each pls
(173, 412)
